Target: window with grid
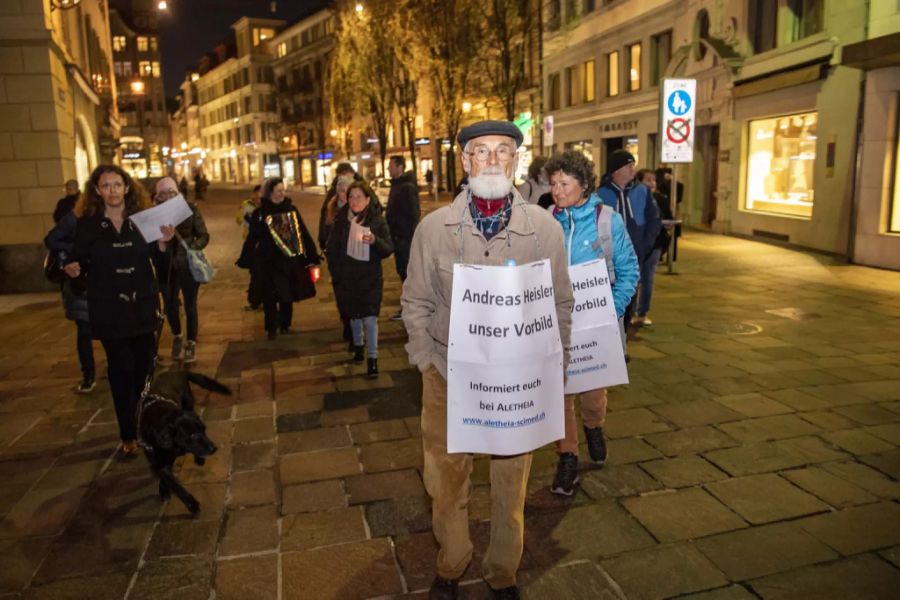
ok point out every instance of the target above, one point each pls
(634, 67)
(612, 74)
(142, 43)
(120, 42)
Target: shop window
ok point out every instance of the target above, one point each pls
(781, 158)
(587, 80)
(571, 87)
(586, 147)
(660, 55)
(142, 43)
(634, 67)
(631, 144)
(894, 222)
(120, 42)
(553, 91)
(612, 74)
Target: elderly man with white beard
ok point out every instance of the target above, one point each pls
(487, 224)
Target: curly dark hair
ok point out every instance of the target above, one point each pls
(91, 203)
(574, 164)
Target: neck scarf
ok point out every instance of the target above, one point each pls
(490, 215)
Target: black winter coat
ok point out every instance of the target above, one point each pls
(282, 278)
(358, 284)
(60, 240)
(123, 298)
(403, 207)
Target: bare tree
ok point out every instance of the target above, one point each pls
(511, 28)
(406, 77)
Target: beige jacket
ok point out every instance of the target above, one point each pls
(447, 234)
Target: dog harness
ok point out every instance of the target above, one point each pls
(146, 401)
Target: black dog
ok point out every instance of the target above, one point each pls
(168, 427)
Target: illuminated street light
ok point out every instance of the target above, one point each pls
(467, 106)
(359, 7)
(184, 145)
(162, 5)
(137, 87)
(333, 132)
(64, 4)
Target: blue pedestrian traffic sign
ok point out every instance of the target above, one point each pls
(676, 120)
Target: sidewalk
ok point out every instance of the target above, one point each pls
(755, 453)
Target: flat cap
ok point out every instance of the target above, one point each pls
(507, 128)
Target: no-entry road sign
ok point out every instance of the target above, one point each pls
(676, 120)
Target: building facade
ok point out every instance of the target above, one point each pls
(58, 121)
(774, 149)
(239, 124)
(137, 63)
(187, 152)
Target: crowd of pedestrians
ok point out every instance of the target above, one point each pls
(116, 283)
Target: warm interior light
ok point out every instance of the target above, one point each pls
(359, 7)
(162, 5)
(333, 132)
(137, 87)
(467, 106)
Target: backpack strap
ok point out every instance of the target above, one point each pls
(604, 235)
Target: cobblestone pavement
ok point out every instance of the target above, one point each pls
(754, 454)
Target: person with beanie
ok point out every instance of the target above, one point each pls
(634, 201)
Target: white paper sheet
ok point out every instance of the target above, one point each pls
(171, 212)
(356, 248)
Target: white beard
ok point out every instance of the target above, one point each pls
(491, 183)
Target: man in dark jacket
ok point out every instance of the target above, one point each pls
(634, 202)
(402, 215)
(67, 203)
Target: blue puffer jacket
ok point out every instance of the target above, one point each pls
(635, 204)
(579, 225)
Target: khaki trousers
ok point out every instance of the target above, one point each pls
(593, 413)
(447, 482)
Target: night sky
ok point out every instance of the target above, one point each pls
(191, 28)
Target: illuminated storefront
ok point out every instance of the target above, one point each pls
(894, 223)
(781, 155)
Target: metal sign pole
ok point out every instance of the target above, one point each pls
(673, 205)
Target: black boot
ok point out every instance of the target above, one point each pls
(372, 371)
(358, 354)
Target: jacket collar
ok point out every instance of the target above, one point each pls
(518, 220)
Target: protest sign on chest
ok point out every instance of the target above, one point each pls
(505, 375)
(596, 355)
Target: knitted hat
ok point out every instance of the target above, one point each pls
(618, 159)
(507, 128)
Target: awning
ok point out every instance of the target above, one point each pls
(877, 53)
(780, 80)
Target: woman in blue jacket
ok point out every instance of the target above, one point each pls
(572, 180)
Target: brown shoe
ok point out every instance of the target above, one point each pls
(129, 448)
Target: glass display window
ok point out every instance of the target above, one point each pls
(781, 155)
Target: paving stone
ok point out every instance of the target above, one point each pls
(827, 420)
(889, 432)
(764, 550)
(251, 488)
(378, 431)
(349, 416)
(211, 497)
(632, 422)
(285, 423)
(857, 441)
(583, 532)
(176, 538)
(888, 462)
(832, 489)
(765, 498)
(250, 457)
(857, 529)
(381, 486)
(301, 404)
(313, 497)
(249, 530)
(868, 414)
(367, 570)
(694, 440)
(892, 554)
(732, 592)
(414, 425)
(617, 480)
(315, 466)
(399, 516)
(865, 477)
(696, 413)
(111, 586)
(768, 428)
(629, 450)
(183, 578)
(310, 530)
(19, 559)
(796, 399)
(577, 580)
(260, 408)
(762, 457)
(393, 455)
(250, 578)
(754, 405)
(313, 439)
(41, 512)
(683, 514)
(859, 577)
(684, 471)
(253, 430)
(663, 572)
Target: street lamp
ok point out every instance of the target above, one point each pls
(137, 87)
(162, 5)
(359, 7)
(64, 4)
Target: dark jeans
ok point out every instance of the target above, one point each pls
(648, 272)
(182, 283)
(129, 362)
(85, 349)
(278, 314)
(401, 257)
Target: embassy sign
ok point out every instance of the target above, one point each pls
(677, 124)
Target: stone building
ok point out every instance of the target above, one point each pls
(239, 125)
(775, 133)
(58, 120)
(187, 153)
(137, 64)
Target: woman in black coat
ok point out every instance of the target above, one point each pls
(123, 298)
(358, 280)
(281, 248)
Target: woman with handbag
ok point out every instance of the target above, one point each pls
(282, 250)
(174, 272)
(123, 298)
(359, 241)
